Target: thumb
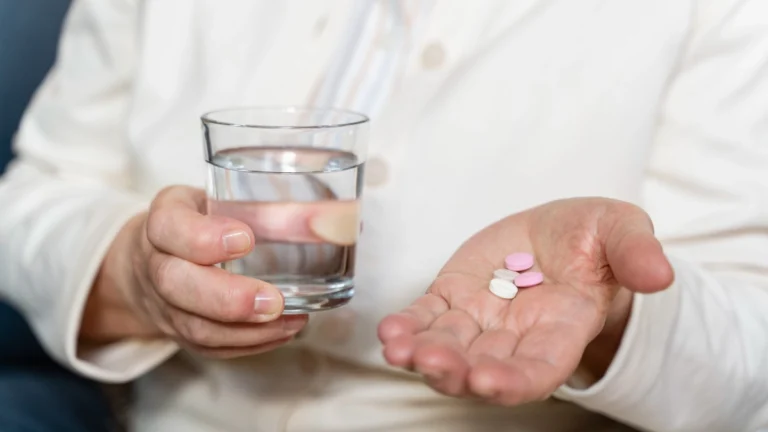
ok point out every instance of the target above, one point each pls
(335, 222)
(635, 256)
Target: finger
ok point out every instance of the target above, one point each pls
(336, 222)
(230, 353)
(206, 333)
(435, 349)
(636, 257)
(176, 226)
(414, 319)
(213, 293)
(444, 367)
(441, 351)
(543, 360)
(398, 331)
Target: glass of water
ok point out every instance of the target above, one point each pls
(294, 175)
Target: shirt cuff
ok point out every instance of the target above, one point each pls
(122, 361)
(117, 362)
(637, 362)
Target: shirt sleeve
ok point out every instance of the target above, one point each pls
(695, 357)
(68, 192)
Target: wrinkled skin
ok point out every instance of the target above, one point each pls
(466, 342)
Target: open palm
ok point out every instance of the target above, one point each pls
(467, 342)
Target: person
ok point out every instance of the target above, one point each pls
(624, 144)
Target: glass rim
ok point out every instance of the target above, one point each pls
(208, 117)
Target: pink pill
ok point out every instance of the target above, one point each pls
(518, 262)
(528, 279)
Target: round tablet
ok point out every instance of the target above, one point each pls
(505, 274)
(503, 288)
(529, 279)
(518, 262)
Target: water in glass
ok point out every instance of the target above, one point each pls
(275, 190)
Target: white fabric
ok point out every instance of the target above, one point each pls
(660, 103)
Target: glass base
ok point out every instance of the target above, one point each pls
(302, 297)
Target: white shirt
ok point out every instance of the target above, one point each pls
(480, 109)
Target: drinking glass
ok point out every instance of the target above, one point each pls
(294, 175)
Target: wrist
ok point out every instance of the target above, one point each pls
(599, 354)
(111, 312)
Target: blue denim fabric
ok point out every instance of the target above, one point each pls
(36, 395)
(49, 399)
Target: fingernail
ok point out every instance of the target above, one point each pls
(337, 227)
(236, 242)
(267, 305)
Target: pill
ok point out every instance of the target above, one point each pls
(505, 274)
(518, 262)
(503, 288)
(528, 279)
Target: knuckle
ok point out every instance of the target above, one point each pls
(198, 331)
(165, 193)
(237, 304)
(203, 239)
(164, 274)
(158, 222)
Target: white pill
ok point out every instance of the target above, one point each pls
(505, 274)
(503, 288)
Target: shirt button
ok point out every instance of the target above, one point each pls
(376, 172)
(433, 56)
(339, 327)
(320, 26)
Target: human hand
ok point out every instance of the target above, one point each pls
(164, 261)
(467, 342)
